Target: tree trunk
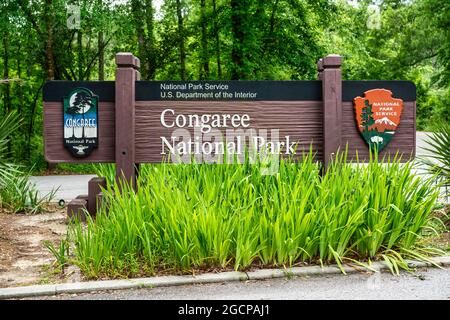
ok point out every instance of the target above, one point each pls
(7, 85)
(237, 52)
(101, 57)
(272, 19)
(30, 125)
(73, 127)
(138, 18)
(49, 54)
(7, 92)
(19, 75)
(204, 74)
(181, 41)
(82, 127)
(101, 49)
(50, 63)
(217, 35)
(80, 55)
(150, 63)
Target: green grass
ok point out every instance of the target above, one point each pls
(17, 194)
(65, 168)
(186, 217)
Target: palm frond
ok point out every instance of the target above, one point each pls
(438, 162)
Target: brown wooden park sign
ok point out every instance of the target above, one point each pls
(129, 122)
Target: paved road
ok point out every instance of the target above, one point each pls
(69, 187)
(424, 284)
(72, 186)
(421, 143)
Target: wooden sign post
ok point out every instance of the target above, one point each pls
(332, 106)
(127, 73)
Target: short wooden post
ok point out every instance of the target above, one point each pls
(100, 200)
(94, 188)
(126, 75)
(332, 105)
(83, 197)
(76, 209)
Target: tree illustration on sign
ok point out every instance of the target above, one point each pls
(367, 116)
(82, 103)
(73, 111)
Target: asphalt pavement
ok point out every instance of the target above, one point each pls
(424, 284)
(67, 187)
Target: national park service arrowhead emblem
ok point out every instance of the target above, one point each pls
(377, 117)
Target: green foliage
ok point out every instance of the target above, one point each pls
(17, 194)
(61, 253)
(218, 39)
(8, 125)
(411, 43)
(439, 149)
(203, 216)
(107, 170)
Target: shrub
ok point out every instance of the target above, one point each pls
(16, 193)
(187, 217)
(8, 125)
(439, 148)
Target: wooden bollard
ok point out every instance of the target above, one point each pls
(94, 188)
(99, 200)
(76, 209)
(83, 197)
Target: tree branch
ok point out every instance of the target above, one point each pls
(416, 62)
(95, 57)
(30, 16)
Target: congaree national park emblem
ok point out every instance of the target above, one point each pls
(377, 117)
(80, 122)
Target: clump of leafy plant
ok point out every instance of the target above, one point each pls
(439, 149)
(107, 170)
(187, 217)
(60, 252)
(17, 194)
(8, 125)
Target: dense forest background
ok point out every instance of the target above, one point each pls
(217, 39)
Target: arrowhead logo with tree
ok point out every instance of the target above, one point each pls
(377, 117)
(80, 122)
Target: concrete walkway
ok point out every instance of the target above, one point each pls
(74, 185)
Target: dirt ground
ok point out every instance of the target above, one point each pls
(24, 259)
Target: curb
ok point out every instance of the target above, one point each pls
(166, 281)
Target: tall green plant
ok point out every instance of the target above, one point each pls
(204, 216)
(17, 194)
(439, 149)
(8, 124)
